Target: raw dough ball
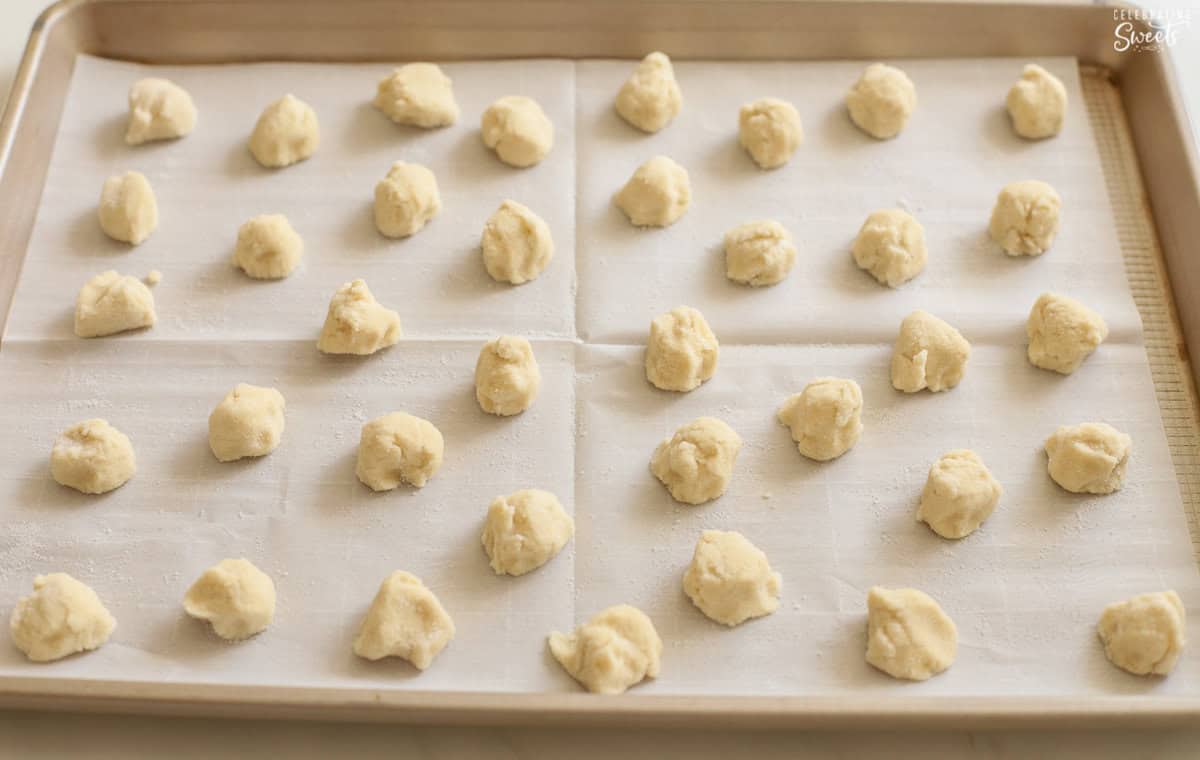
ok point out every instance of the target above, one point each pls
(92, 457)
(929, 354)
(1025, 218)
(891, 246)
(1062, 333)
(1037, 103)
(398, 448)
(650, 98)
(235, 596)
(506, 376)
(285, 133)
(518, 130)
(267, 247)
(405, 620)
(61, 617)
(516, 244)
(825, 417)
(769, 129)
(158, 110)
(614, 650)
(759, 253)
(881, 101)
(405, 200)
(356, 323)
(908, 635)
(128, 211)
(1144, 634)
(657, 194)
(1088, 458)
(960, 493)
(697, 462)
(418, 94)
(730, 579)
(247, 423)
(682, 350)
(525, 530)
(112, 303)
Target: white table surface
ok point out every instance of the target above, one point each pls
(29, 734)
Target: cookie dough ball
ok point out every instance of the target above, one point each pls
(960, 493)
(247, 423)
(61, 617)
(616, 649)
(1088, 458)
(356, 323)
(881, 101)
(405, 200)
(267, 247)
(1144, 634)
(657, 194)
(128, 211)
(516, 244)
(1037, 103)
(929, 353)
(650, 98)
(682, 350)
(730, 579)
(405, 620)
(891, 246)
(110, 303)
(92, 457)
(825, 418)
(697, 462)
(908, 635)
(525, 530)
(1062, 333)
(235, 596)
(759, 253)
(518, 130)
(1025, 218)
(158, 110)
(507, 378)
(769, 129)
(286, 132)
(398, 448)
(419, 95)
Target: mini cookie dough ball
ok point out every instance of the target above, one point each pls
(769, 129)
(682, 350)
(507, 378)
(286, 132)
(267, 247)
(516, 244)
(158, 110)
(356, 323)
(110, 303)
(1037, 103)
(1088, 458)
(697, 462)
(92, 457)
(419, 95)
(128, 211)
(891, 246)
(1062, 333)
(650, 98)
(405, 200)
(881, 101)
(405, 620)
(759, 253)
(235, 596)
(398, 448)
(825, 418)
(525, 530)
(616, 649)
(1025, 218)
(61, 617)
(908, 635)
(730, 579)
(929, 353)
(960, 493)
(656, 195)
(518, 130)
(1145, 634)
(247, 423)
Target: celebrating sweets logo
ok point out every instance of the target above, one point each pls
(1164, 28)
